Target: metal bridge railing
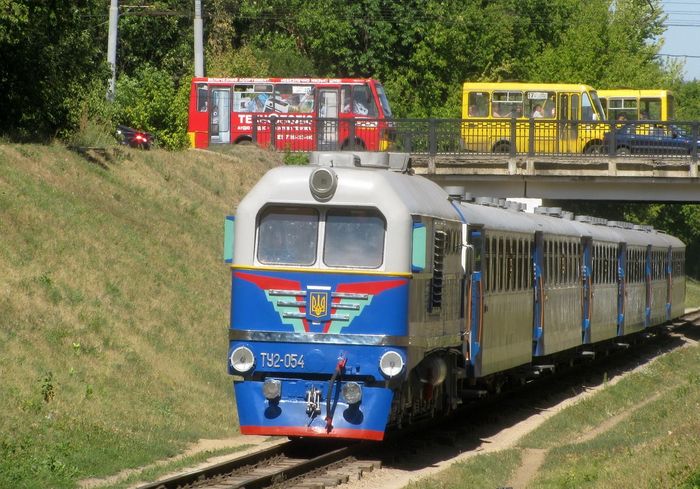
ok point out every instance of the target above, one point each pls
(479, 137)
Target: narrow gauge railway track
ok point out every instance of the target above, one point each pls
(325, 463)
(313, 462)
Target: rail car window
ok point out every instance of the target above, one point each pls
(287, 236)
(354, 238)
(488, 264)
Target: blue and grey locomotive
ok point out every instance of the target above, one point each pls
(365, 297)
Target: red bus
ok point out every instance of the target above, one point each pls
(295, 113)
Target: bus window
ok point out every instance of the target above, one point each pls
(650, 108)
(507, 104)
(362, 101)
(564, 107)
(574, 107)
(544, 99)
(293, 99)
(345, 99)
(478, 104)
(626, 107)
(383, 100)
(250, 98)
(587, 113)
(670, 108)
(202, 94)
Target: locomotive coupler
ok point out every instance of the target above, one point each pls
(313, 402)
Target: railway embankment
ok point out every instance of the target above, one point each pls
(113, 306)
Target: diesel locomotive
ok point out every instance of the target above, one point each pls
(365, 297)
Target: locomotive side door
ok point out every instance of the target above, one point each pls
(474, 297)
(586, 267)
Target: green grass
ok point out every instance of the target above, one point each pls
(654, 444)
(692, 293)
(113, 307)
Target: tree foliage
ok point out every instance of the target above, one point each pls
(54, 72)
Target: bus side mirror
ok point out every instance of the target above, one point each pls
(419, 247)
(228, 238)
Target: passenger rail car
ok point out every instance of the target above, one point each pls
(365, 297)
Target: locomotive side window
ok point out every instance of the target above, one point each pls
(354, 238)
(287, 236)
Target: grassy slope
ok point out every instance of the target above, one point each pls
(113, 307)
(657, 446)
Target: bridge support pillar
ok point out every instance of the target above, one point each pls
(694, 169)
(612, 167)
(431, 164)
(512, 166)
(530, 167)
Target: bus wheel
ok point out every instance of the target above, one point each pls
(359, 145)
(502, 147)
(244, 142)
(594, 148)
(622, 151)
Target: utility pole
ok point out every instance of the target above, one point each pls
(198, 39)
(112, 47)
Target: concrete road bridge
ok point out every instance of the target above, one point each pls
(522, 158)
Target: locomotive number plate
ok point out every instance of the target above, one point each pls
(277, 360)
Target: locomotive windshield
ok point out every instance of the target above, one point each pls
(288, 236)
(354, 238)
(351, 237)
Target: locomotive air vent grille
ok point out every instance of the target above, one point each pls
(436, 284)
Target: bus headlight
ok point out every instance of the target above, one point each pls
(272, 389)
(352, 392)
(391, 364)
(242, 359)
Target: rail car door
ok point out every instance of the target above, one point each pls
(538, 290)
(621, 284)
(328, 101)
(475, 303)
(669, 282)
(587, 288)
(647, 282)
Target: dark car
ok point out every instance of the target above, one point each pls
(645, 138)
(134, 138)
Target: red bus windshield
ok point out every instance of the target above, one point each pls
(295, 114)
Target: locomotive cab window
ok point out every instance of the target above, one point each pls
(354, 238)
(287, 236)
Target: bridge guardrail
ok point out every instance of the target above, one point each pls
(509, 138)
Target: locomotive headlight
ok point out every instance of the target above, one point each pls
(272, 389)
(391, 364)
(242, 359)
(352, 392)
(322, 183)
